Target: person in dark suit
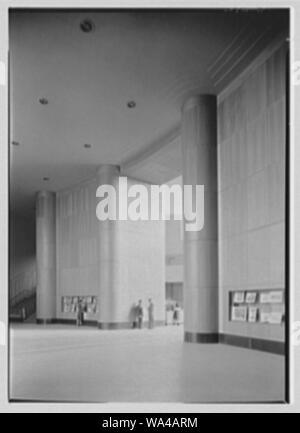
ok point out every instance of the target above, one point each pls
(150, 314)
(140, 314)
(176, 314)
(80, 311)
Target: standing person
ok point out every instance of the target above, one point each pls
(140, 314)
(133, 315)
(176, 314)
(151, 314)
(84, 311)
(79, 313)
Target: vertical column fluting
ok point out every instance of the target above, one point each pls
(108, 249)
(46, 256)
(199, 150)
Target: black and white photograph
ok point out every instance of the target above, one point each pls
(122, 293)
(148, 205)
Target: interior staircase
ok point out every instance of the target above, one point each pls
(22, 307)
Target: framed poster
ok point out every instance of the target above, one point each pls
(252, 314)
(251, 297)
(70, 303)
(92, 309)
(239, 314)
(238, 297)
(264, 297)
(275, 318)
(67, 308)
(264, 316)
(276, 297)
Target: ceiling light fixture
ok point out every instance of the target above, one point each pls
(87, 26)
(131, 104)
(43, 101)
(87, 145)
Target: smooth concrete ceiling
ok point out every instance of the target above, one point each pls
(157, 59)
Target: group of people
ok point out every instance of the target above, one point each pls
(138, 313)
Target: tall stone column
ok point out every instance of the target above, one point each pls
(199, 151)
(108, 264)
(46, 257)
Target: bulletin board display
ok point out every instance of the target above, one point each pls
(69, 304)
(257, 306)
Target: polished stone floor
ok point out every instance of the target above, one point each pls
(64, 363)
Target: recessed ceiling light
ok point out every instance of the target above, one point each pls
(131, 104)
(15, 143)
(46, 178)
(43, 101)
(87, 26)
(87, 145)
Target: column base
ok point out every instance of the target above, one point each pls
(86, 322)
(271, 346)
(126, 325)
(45, 321)
(201, 337)
(114, 325)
